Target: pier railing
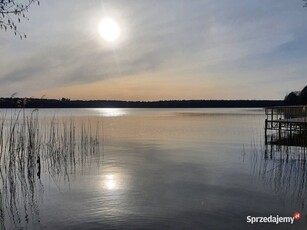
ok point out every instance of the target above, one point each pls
(285, 112)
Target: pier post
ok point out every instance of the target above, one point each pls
(265, 132)
(271, 145)
(279, 130)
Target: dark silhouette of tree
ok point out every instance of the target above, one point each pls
(303, 95)
(65, 99)
(12, 12)
(305, 3)
(297, 98)
(292, 98)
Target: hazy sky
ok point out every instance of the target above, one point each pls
(168, 49)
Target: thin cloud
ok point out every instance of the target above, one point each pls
(249, 42)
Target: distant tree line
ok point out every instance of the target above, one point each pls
(67, 103)
(297, 97)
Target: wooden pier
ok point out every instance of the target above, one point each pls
(285, 122)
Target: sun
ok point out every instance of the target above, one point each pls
(109, 29)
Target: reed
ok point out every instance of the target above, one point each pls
(281, 169)
(30, 146)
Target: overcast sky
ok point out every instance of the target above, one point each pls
(168, 49)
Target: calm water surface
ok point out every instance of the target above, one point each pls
(172, 169)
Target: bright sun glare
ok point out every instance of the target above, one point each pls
(109, 29)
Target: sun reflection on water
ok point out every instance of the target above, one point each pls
(110, 182)
(111, 112)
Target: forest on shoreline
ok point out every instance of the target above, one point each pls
(67, 103)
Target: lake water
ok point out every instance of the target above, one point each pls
(168, 169)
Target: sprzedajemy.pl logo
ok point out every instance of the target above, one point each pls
(273, 219)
